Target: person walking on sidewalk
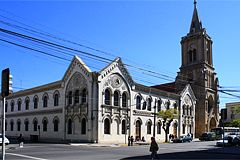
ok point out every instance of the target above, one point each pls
(153, 148)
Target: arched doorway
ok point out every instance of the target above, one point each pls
(212, 123)
(138, 129)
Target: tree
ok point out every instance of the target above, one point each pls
(167, 116)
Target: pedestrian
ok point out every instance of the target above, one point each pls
(131, 140)
(20, 140)
(153, 148)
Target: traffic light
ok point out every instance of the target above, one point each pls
(224, 114)
(6, 83)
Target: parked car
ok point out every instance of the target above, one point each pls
(182, 139)
(208, 136)
(226, 141)
(6, 141)
(236, 141)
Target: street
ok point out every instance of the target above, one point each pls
(193, 150)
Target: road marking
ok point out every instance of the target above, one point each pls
(25, 156)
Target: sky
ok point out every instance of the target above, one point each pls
(145, 34)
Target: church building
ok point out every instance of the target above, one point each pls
(108, 106)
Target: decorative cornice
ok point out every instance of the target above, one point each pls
(34, 113)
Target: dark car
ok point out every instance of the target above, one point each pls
(208, 136)
(182, 139)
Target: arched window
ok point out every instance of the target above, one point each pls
(106, 126)
(138, 102)
(183, 128)
(6, 106)
(35, 102)
(45, 123)
(149, 127)
(159, 128)
(144, 105)
(116, 98)
(159, 103)
(18, 125)
(76, 97)
(149, 104)
(45, 101)
(19, 104)
(84, 126)
(69, 126)
(55, 124)
(183, 109)
(194, 55)
(26, 125)
(27, 103)
(69, 97)
(190, 111)
(84, 96)
(124, 126)
(11, 125)
(124, 100)
(56, 99)
(12, 106)
(35, 125)
(107, 97)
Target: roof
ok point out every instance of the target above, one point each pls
(169, 87)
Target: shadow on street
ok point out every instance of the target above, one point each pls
(217, 153)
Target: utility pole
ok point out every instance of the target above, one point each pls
(6, 90)
(154, 118)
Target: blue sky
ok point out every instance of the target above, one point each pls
(143, 33)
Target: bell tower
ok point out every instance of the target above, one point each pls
(198, 71)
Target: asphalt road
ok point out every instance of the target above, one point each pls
(192, 150)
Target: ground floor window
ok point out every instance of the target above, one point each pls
(106, 126)
(84, 126)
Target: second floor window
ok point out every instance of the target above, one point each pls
(45, 101)
(35, 102)
(56, 99)
(76, 97)
(116, 98)
(138, 102)
(27, 104)
(107, 97)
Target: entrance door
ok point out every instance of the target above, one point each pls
(138, 130)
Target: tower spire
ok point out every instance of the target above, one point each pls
(196, 25)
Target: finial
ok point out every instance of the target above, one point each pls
(195, 3)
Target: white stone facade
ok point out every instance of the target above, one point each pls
(102, 107)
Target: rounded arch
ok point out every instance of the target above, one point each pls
(35, 97)
(26, 120)
(117, 118)
(75, 117)
(35, 120)
(45, 95)
(107, 125)
(56, 92)
(12, 121)
(27, 99)
(107, 116)
(18, 121)
(44, 120)
(56, 119)
(84, 116)
(138, 119)
(148, 121)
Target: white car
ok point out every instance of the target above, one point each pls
(5, 140)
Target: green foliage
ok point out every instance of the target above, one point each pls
(168, 114)
(236, 110)
(234, 123)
